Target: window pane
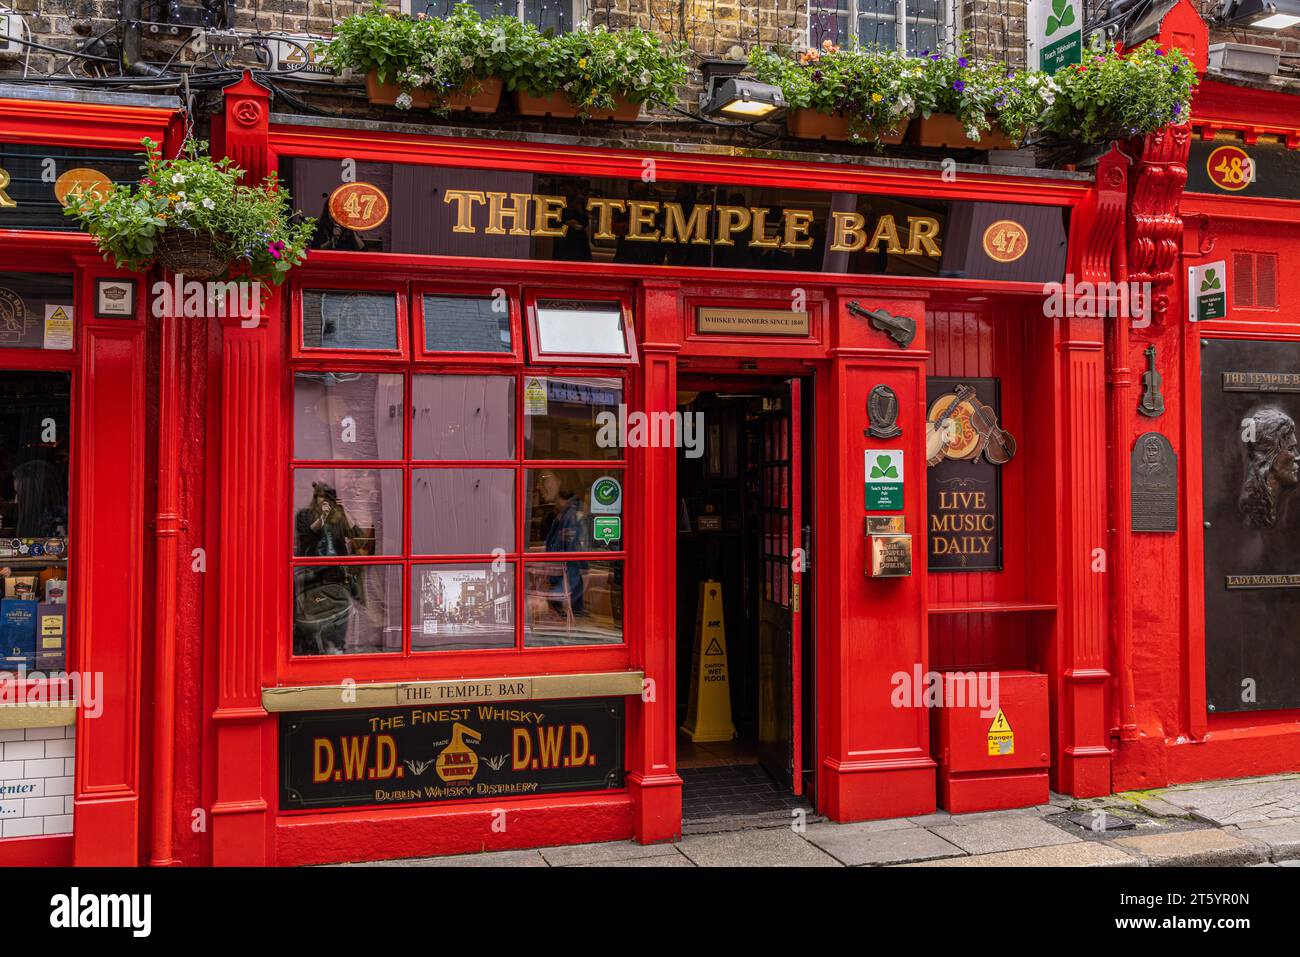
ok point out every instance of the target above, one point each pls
(463, 417)
(573, 603)
(462, 511)
(575, 327)
(575, 510)
(35, 311)
(462, 606)
(828, 20)
(338, 319)
(923, 36)
(881, 33)
(347, 609)
(560, 418)
(466, 324)
(923, 9)
(347, 415)
(347, 512)
(34, 444)
(549, 14)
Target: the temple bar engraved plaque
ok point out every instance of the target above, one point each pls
(1261, 382)
(1250, 404)
(1153, 478)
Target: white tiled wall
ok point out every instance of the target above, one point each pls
(36, 770)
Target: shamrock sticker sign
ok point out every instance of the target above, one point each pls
(1055, 33)
(884, 480)
(1062, 15)
(1205, 294)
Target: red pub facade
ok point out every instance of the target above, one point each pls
(445, 684)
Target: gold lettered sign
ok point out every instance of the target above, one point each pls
(1005, 241)
(729, 321)
(359, 206)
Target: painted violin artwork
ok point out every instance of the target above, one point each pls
(960, 426)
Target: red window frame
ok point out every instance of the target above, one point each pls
(409, 664)
(579, 294)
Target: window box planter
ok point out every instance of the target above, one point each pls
(558, 105)
(386, 94)
(944, 129)
(807, 124)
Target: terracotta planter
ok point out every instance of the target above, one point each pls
(806, 124)
(385, 94)
(485, 99)
(558, 105)
(944, 129)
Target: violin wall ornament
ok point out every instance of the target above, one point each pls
(1152, 403)
(961, 426)
(899, 328)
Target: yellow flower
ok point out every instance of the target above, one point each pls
(876, 97)
(582, 64)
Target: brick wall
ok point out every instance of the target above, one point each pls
(36, 773)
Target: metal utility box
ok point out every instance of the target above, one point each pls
(988, 762)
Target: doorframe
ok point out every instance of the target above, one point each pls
(721, 374)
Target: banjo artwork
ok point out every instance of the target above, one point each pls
(965, 445)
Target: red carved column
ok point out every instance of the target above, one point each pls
(1155, 229)
(250, 583)
(652, 756)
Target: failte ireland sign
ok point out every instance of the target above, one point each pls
(1055, 33)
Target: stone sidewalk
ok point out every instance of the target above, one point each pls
(1239, 823)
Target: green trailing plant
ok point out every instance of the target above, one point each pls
(1113, 95)
(441, 55)
(980, 93)
(449, 55)
(251, 227)
(594, 67)
(867, 87)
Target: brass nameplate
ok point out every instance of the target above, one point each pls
(392, 694)
(1263, 581)
(891, 556)
(1261, 382)
(886, 524)
(728, 321)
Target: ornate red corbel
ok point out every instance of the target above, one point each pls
(1155, 229)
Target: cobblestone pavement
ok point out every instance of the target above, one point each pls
(1248, 822)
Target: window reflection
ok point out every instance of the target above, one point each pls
(347, 512)
(347, 415)
(347, 609)
(560, 418)
(573, 603)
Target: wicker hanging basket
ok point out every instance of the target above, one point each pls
(193, 255)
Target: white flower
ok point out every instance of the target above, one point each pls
(184, 207)
(645, 78)
(182, 195)
(178, 178)
(972, 133)
(208, 203)
(403, 101)
(467, 62)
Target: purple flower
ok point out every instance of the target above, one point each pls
(1160, 51)
(935, 57)
(925, 53)
(1177, 109)
(958, 85)
(961, 62)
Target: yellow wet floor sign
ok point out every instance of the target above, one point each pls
(708, 712)
(1002, 740)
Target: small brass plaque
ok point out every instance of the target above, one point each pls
(1261, 382)
(1263, 581)
(452, 692)
(891, 556)
(886, 524)
(729, 321)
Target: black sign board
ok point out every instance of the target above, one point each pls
(1153, 485)
(1235, 169)
(1252, 525)
(506, 214)
(415, 755)
(964, 495)
(32, 177)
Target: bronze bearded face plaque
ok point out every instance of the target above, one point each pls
(1250, 471)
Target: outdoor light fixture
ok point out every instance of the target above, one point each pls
(1262, 14)
(729, 95)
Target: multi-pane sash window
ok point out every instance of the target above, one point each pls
(557, 15)
(914, 25)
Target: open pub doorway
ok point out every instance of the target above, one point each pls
(744, 578)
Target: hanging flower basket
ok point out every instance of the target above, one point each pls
(807, 124)
(192, 254)
(946, 130)
(191, 215)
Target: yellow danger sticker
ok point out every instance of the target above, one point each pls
(1002, 740)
